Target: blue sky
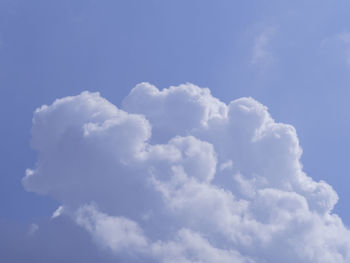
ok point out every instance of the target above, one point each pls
(292, 56)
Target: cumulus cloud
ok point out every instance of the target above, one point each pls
(176, 175)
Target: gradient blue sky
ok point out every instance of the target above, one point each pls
(292, 56)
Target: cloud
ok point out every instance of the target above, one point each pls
(32, 229)
(261, 55)
(176, 175)
(345, 39)
(117, 233)
(59, 211)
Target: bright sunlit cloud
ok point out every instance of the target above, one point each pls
(176, 175)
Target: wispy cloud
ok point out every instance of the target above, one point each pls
(261, 54)
(32, 229)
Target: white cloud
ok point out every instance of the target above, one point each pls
(57, 212)
(116, 233)
(189, 246)
(179, 176)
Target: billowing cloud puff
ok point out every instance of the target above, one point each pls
(178, 176)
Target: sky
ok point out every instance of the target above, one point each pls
(293, 57)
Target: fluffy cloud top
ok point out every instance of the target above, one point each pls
(178, 176)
